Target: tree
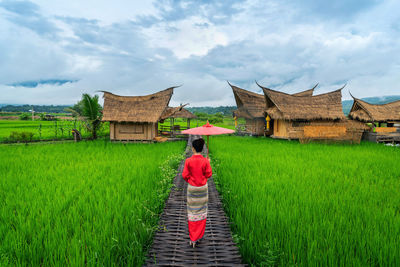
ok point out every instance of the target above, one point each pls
(76, 110)
(25, 116)
(90, 110)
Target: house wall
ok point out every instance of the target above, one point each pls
(281, 129)
(112, 130)
(385, 129)
(132, 131)
(322, 130)
(255, 126)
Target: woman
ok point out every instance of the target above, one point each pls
(196, 172)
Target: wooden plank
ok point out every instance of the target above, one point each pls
(171, 242)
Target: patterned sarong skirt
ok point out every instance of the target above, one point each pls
(197, 205)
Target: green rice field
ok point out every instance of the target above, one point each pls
(45, 130)
(97, 203)
(61, 129)
(82, 204)
(310, 205)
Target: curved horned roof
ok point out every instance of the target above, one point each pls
(308, 92)
(177, 112)
(326, 106)
(148, 108)
(252, 105)
(367, 112)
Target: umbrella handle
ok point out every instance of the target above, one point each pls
(208, 142)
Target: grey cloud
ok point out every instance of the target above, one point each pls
(338, 9)
(33, 84)
(26, 14)
(217, 12)
(268, 41)
(24, 8)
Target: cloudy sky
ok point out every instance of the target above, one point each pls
(52, 51)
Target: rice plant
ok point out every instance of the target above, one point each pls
(89, 203)
(46, 130)
(310, 205)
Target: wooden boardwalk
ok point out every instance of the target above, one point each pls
(171, 242)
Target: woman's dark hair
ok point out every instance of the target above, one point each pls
(198, 144)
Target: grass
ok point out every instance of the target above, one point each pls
(89, 203)
(61, 129)
(314, 204)
(45, 130)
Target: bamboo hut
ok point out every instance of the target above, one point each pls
(173, 113)
(135, 117)
(251, 107)
(384, 119)
(306, 118)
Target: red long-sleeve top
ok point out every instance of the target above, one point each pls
(196, 171)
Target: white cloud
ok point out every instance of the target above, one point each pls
(79, 63)
(106, 12)
(193, 36)
(136, 48)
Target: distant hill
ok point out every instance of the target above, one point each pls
(372, 100)
(37, 108)
(225, 110)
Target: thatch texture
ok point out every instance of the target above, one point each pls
(177, 112)
(367, 112)
(289, 107)
(252, 105)
(147, 108)
(308, 92)
(242, 113)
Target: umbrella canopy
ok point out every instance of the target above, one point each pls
(208, 129)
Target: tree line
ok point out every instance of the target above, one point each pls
(36, 108)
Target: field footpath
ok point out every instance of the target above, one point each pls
(171, 241)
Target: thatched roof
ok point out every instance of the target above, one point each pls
(308, 92)
(367, 112)
(146, 108)
(289, 107)
(177, 112)
(252, 105)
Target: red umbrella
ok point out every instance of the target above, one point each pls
(208, 129)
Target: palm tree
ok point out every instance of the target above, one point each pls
(89, 109)
(92, 113)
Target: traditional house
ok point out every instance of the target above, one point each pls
(310, 117)
(135, 117)
(377, 115)
(251, 107)
(173, 113)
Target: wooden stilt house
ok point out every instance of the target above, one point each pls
(383, 120)
(251, 107)
(308, 118)
(135, 117)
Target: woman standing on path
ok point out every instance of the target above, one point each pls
(196, 172)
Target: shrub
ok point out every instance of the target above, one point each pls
(212, 118)
(215, 119)
(21, 136)
(25, 116)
